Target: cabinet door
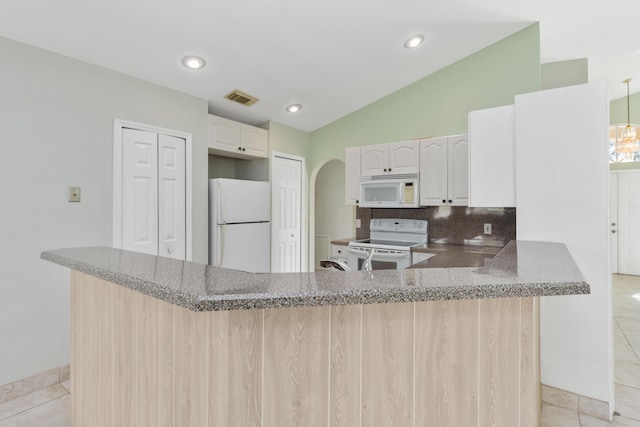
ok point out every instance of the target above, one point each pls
(254, 141)
(352, 175)
(492, 157)
(404, 157)
(374, 160)
(458, 170)
(433, 171)
(224, 134)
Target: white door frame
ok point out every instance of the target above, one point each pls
(303, 206)
(118, 126)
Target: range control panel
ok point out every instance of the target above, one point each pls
(398, 225)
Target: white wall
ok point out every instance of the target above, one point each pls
(56, 131)
(562, 188)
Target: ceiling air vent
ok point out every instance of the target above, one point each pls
(241, 98)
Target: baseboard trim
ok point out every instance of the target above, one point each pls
(575, 402)
(35, 382)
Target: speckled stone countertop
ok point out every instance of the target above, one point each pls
(521, 269)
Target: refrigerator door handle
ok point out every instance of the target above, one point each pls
(221, 246)
(223, 209)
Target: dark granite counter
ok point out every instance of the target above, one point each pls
(520, 269)
(451, 255)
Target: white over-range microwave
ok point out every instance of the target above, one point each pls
(389, 193)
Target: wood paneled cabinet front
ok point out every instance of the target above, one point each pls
(234, 139)
(444, 171)
(395, 158)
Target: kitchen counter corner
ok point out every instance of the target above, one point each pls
(520, 269)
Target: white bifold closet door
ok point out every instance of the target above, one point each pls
(153, 193)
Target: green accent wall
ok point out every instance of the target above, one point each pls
(439, 103)
(564, 73)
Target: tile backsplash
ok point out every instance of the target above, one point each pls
(451, 224)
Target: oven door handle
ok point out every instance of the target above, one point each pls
(378, 255)
(382, 256)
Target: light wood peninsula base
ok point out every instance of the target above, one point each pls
(139, 361)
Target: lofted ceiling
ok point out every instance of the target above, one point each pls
(332, 56)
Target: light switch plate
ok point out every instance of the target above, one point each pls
(358, 223)
(487, 229)
(73, 194)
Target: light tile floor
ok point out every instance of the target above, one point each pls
(50, 407)
(626, 329)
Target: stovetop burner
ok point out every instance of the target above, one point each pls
(400, 234)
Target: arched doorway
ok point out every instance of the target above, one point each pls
(333, 219)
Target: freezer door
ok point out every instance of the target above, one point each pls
(238, 201)
(244, 247)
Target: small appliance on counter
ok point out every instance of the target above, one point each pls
(239, 230)
(399, 192)
(389, 244)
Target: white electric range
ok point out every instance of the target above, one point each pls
(389, 244)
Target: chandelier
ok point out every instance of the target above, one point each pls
(626, 141)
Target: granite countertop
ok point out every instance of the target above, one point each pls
(520, 269)
(452, 255)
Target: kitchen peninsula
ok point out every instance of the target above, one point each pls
(157, 341)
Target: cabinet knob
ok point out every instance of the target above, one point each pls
(244, 149)
(389, 169)
(613, 224)
(444, 201)
(357, 201)
(239, 148)
(385, 169)
(170, 250)
(450, 201)
(613, 231)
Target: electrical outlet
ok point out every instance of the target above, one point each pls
(487, 229)
(73, 194)
(358, 223)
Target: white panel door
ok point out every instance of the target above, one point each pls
(458, 170)
(287, 219)
(629, 223)
(140, 191)
(404, 157)
(613, 217)
(433, 171)
(171, 197)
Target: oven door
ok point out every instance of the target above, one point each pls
(383, 259)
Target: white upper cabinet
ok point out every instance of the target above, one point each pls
(458, 170)
(404, 157)
(433, 171)
(492, 159)
(374, 159)
(444, 172)
(395, 158)
(234, 139)
(352, 175)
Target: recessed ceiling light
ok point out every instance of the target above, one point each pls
(193, 62)
(294, 108)
(414, 41)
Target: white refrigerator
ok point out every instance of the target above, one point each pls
(239, 231)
